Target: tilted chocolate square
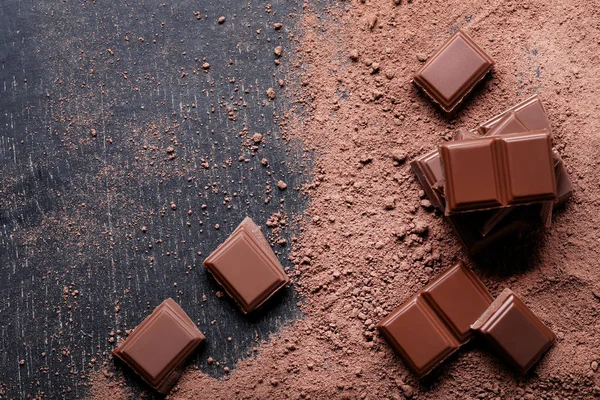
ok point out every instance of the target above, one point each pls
(158, 347)
(453, 71)
(514, 331)
(246, 267)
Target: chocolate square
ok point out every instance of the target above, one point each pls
(418, 336)
(514, 331)
(452, 72)
(529, 168)
(459, 297)
(470, 175)
(246, 267)
(158, 347)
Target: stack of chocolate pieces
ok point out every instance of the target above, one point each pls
(498, 178)
(488, 184)
(453, 308)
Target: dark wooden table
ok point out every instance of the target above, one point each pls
(108, 121)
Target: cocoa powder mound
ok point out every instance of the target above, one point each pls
(371, 239)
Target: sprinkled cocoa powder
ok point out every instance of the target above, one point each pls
(370, 239)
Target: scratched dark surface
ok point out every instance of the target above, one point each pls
(92, 95)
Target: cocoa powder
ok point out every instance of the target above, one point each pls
(370, 238)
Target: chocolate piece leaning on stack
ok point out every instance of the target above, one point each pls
(436, 321)
(246, 267)
(158, 348)
(514, 331)
(453, 71)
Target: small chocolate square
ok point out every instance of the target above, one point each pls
(470, 175)
(529, 168)
(459, 298)
(158, 347)
(514, 331)
(246, 267)
(418, 335)
(453, 71)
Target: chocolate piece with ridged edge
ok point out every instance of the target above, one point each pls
(453, 71)
(246, 267)
(158, 348)
(514, 331)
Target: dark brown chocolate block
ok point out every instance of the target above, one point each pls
(531, 113)
(246, 267)
(158, 347)
(436, 321)
(497, 172)
(514, 331)
(452, 72)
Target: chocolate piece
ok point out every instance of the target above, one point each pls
(246, 267)
(436, 321)
(509, 123)
(514, 331)
(498, 171)
(452, 72)
(158, 347)
(458, 297)
(428, 170)
(531, 113)
(465, 134)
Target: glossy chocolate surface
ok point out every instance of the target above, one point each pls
(514, 331)
(158, 347)
(436, 321)
(246, 267)
(531, 113)
(498, 171)
(452, 72)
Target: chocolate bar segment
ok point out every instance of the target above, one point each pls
(435, 322)
(531, 113)
(246, 267)
(498, 171)
(514, 331)
(418, 335)
(510, 123)
(459, 298)
(470, 169)
(452, 72)
(158, 347)
(528, 168)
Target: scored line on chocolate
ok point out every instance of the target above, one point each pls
(449, 304)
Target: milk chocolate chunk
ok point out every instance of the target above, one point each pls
(459, 298)
(498, 171)
(246, 267)
(453, 71)
(531, 113)
(428, 171)
(158, 348)
(436, 321)
(509, 123)
(418, 335)
(514, 331)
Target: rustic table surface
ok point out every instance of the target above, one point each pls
(120, 153)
